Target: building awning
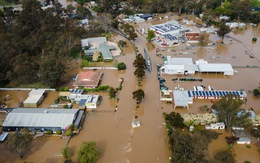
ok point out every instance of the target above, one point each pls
(64, 94)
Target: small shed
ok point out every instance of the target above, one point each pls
(34, 99)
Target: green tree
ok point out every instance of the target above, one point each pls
(223, 30)
(129, 31)
(150, 35)
(121, 66)
(228, 108)
(19, 142)
(122, 43)
(256, 92)
(225, 156)
(81, 2)
(174, 119)
(188, 148)
(88, 152)
(112, 92)
(51, 71)
(140, 65)
(202, 38)
(83, 12)
(138, 95)
(255, 3)
(139, 62)
(66, 153)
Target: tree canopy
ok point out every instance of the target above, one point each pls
(150, 35)
(140, 65)
(51, 71)
(29, 37)
(138, 95)
(19, 142)
(174, 119)
(66, 152)
(223, 30)
(189, 148)
(226, 156)
(229, 111)
(88, 152)
(129, 31)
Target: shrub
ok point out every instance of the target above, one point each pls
(49, 132)
(66, 89)
(68, 133)
(59, 132)
(121, 66)
(256, 92)
(254, 39)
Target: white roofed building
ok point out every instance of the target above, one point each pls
(34, 99)
(41, 119)
(224, 68)
(173, 66)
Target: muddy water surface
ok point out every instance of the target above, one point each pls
(115, 137)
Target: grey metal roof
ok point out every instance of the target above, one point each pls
(215, 67)
(23, 117)
(105, 51)
(181, 98)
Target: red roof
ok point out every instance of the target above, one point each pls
(88, 79)
(192, 36)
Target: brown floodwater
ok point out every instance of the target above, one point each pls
(118, 142)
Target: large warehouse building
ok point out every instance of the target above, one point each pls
(36, 119)
(180, 66)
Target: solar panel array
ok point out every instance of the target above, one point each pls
(214, 94)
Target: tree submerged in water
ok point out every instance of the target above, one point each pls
(19, 142)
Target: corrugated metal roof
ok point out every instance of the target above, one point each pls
(105, 51)
(23, 117)
(181, 98)
(181, 61)
(215, 67)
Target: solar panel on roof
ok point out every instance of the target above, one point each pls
(210, 94)
(213, 92)
(189, 94)
(206, 92)
(220, 93)
(217, 93)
